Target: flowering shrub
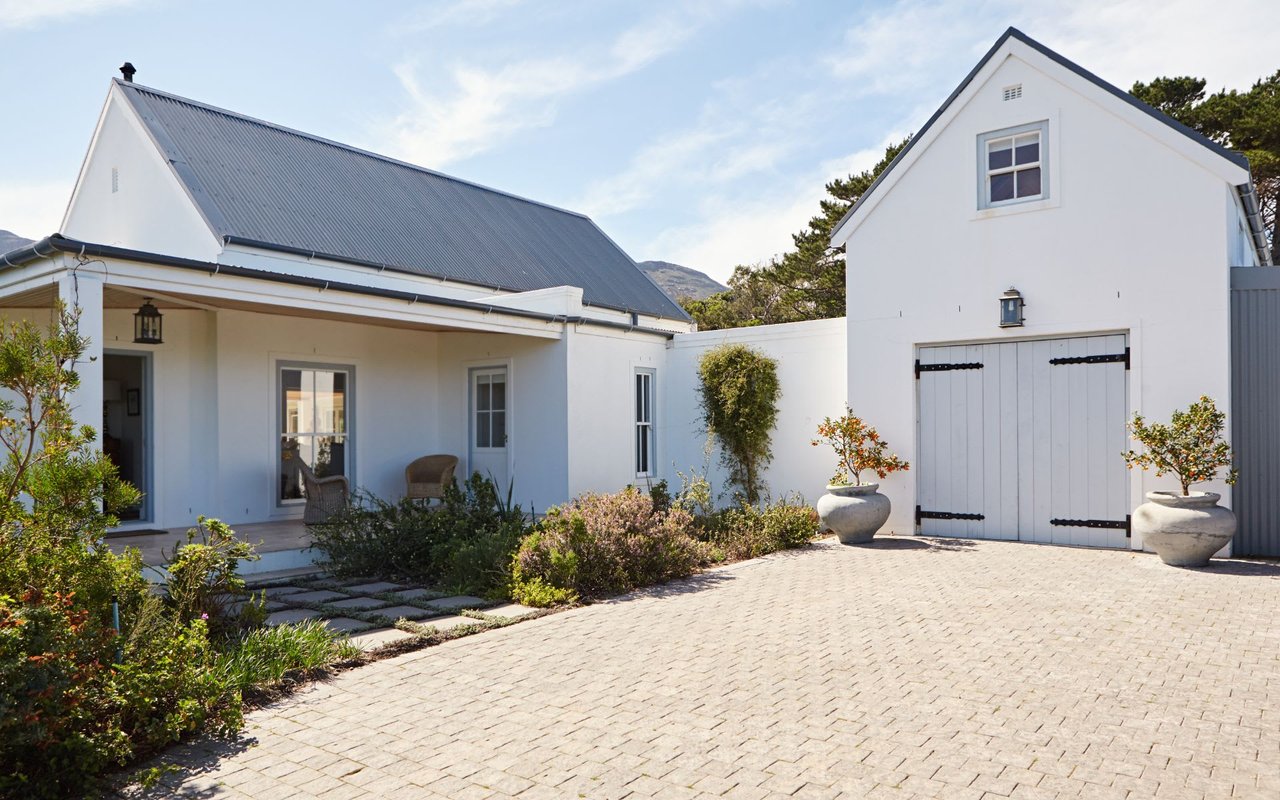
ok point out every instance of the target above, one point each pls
(858, 448)
(603, 544)
(204, 579)
(1191, 446)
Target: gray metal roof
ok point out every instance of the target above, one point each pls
(269, 186)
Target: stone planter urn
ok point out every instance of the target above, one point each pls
(855, 513)
(1185, 531)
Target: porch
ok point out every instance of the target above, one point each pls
(282, 544)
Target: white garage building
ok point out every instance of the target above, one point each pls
(1115, 225)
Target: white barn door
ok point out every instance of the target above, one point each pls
(1023, 440)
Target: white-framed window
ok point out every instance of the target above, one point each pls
(314, 424)
(489, 408)
(1014, 165)
(645, 437)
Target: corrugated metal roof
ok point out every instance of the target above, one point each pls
(268, 184)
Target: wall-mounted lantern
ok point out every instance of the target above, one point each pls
(1011, 305)
(147, 324)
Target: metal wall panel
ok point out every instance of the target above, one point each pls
(1255, 408)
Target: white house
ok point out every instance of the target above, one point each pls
(1114, 224)
(321, 301)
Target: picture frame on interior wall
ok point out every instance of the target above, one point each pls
(133, 402)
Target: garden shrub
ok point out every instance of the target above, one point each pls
(79, 698)
(604, 544)
(464, 544)
(204, 579)
(748, 531)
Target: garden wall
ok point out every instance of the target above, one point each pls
(812, 366)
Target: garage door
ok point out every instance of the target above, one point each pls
(1023, 440)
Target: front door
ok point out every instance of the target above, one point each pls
(490, 423)
(1023, 440)
(126, 435)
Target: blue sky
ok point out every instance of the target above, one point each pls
(696, 132)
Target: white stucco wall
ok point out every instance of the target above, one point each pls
(811, 370)
(601, 405)
(144, 207)
(1132, 240)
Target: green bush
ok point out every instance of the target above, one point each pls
(604, 544)
(265, 657)
(79, 698)
(748, 531)
(740, 390)
(204, 579)
(464, 544)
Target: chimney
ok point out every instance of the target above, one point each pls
(127, 70)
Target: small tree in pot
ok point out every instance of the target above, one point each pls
(855, 510)
(1185, 529)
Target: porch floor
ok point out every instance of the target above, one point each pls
(269, 537)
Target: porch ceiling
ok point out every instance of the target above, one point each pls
(122, 298)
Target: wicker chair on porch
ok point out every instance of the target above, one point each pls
(426, 477)
(325, 496)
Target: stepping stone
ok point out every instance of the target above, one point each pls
(281, 591)
(346, 625)
(359, 603)
(379, 637)
(408, 612)
(319, 596)
(512, 610)
(378, 587)
(417, 594)
(292, 615)
(458, 602)
(445, 623)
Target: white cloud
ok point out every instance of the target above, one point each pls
(732, 230)
(28, 14)
(481, 106)
(33, 210)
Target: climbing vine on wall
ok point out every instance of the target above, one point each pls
(740, 391)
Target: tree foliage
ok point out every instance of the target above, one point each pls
(740, 391)
(858, 448)
(807, 282)
(1190, 446)
(1246, 121)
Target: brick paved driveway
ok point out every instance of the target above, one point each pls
(900, 670)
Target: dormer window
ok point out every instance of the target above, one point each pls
(1013, 165)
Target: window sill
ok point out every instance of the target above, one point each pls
(1015, 208)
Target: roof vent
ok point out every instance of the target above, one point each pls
(1013, 92)
(127, 70)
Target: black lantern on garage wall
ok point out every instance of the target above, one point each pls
(147, 323)
(1011, 305)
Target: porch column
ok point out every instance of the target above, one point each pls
(82, 289)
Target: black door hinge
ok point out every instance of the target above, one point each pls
(944, 367)
(1125, 524)
(1110, 358)
(922, 515)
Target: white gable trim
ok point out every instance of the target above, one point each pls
(1013, 46)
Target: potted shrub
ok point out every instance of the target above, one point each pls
(1184, 528)
(853, 509)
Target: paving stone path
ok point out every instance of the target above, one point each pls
(906, 669)
(368, 610)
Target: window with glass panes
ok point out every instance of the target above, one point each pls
(490, 401)
(645, 438)
(314, 426)
(1014, 165)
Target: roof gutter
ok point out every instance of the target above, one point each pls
(1249, 199)
(57, 243)
(258, 244)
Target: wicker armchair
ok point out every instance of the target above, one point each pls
(325, 496)
(426, 477)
